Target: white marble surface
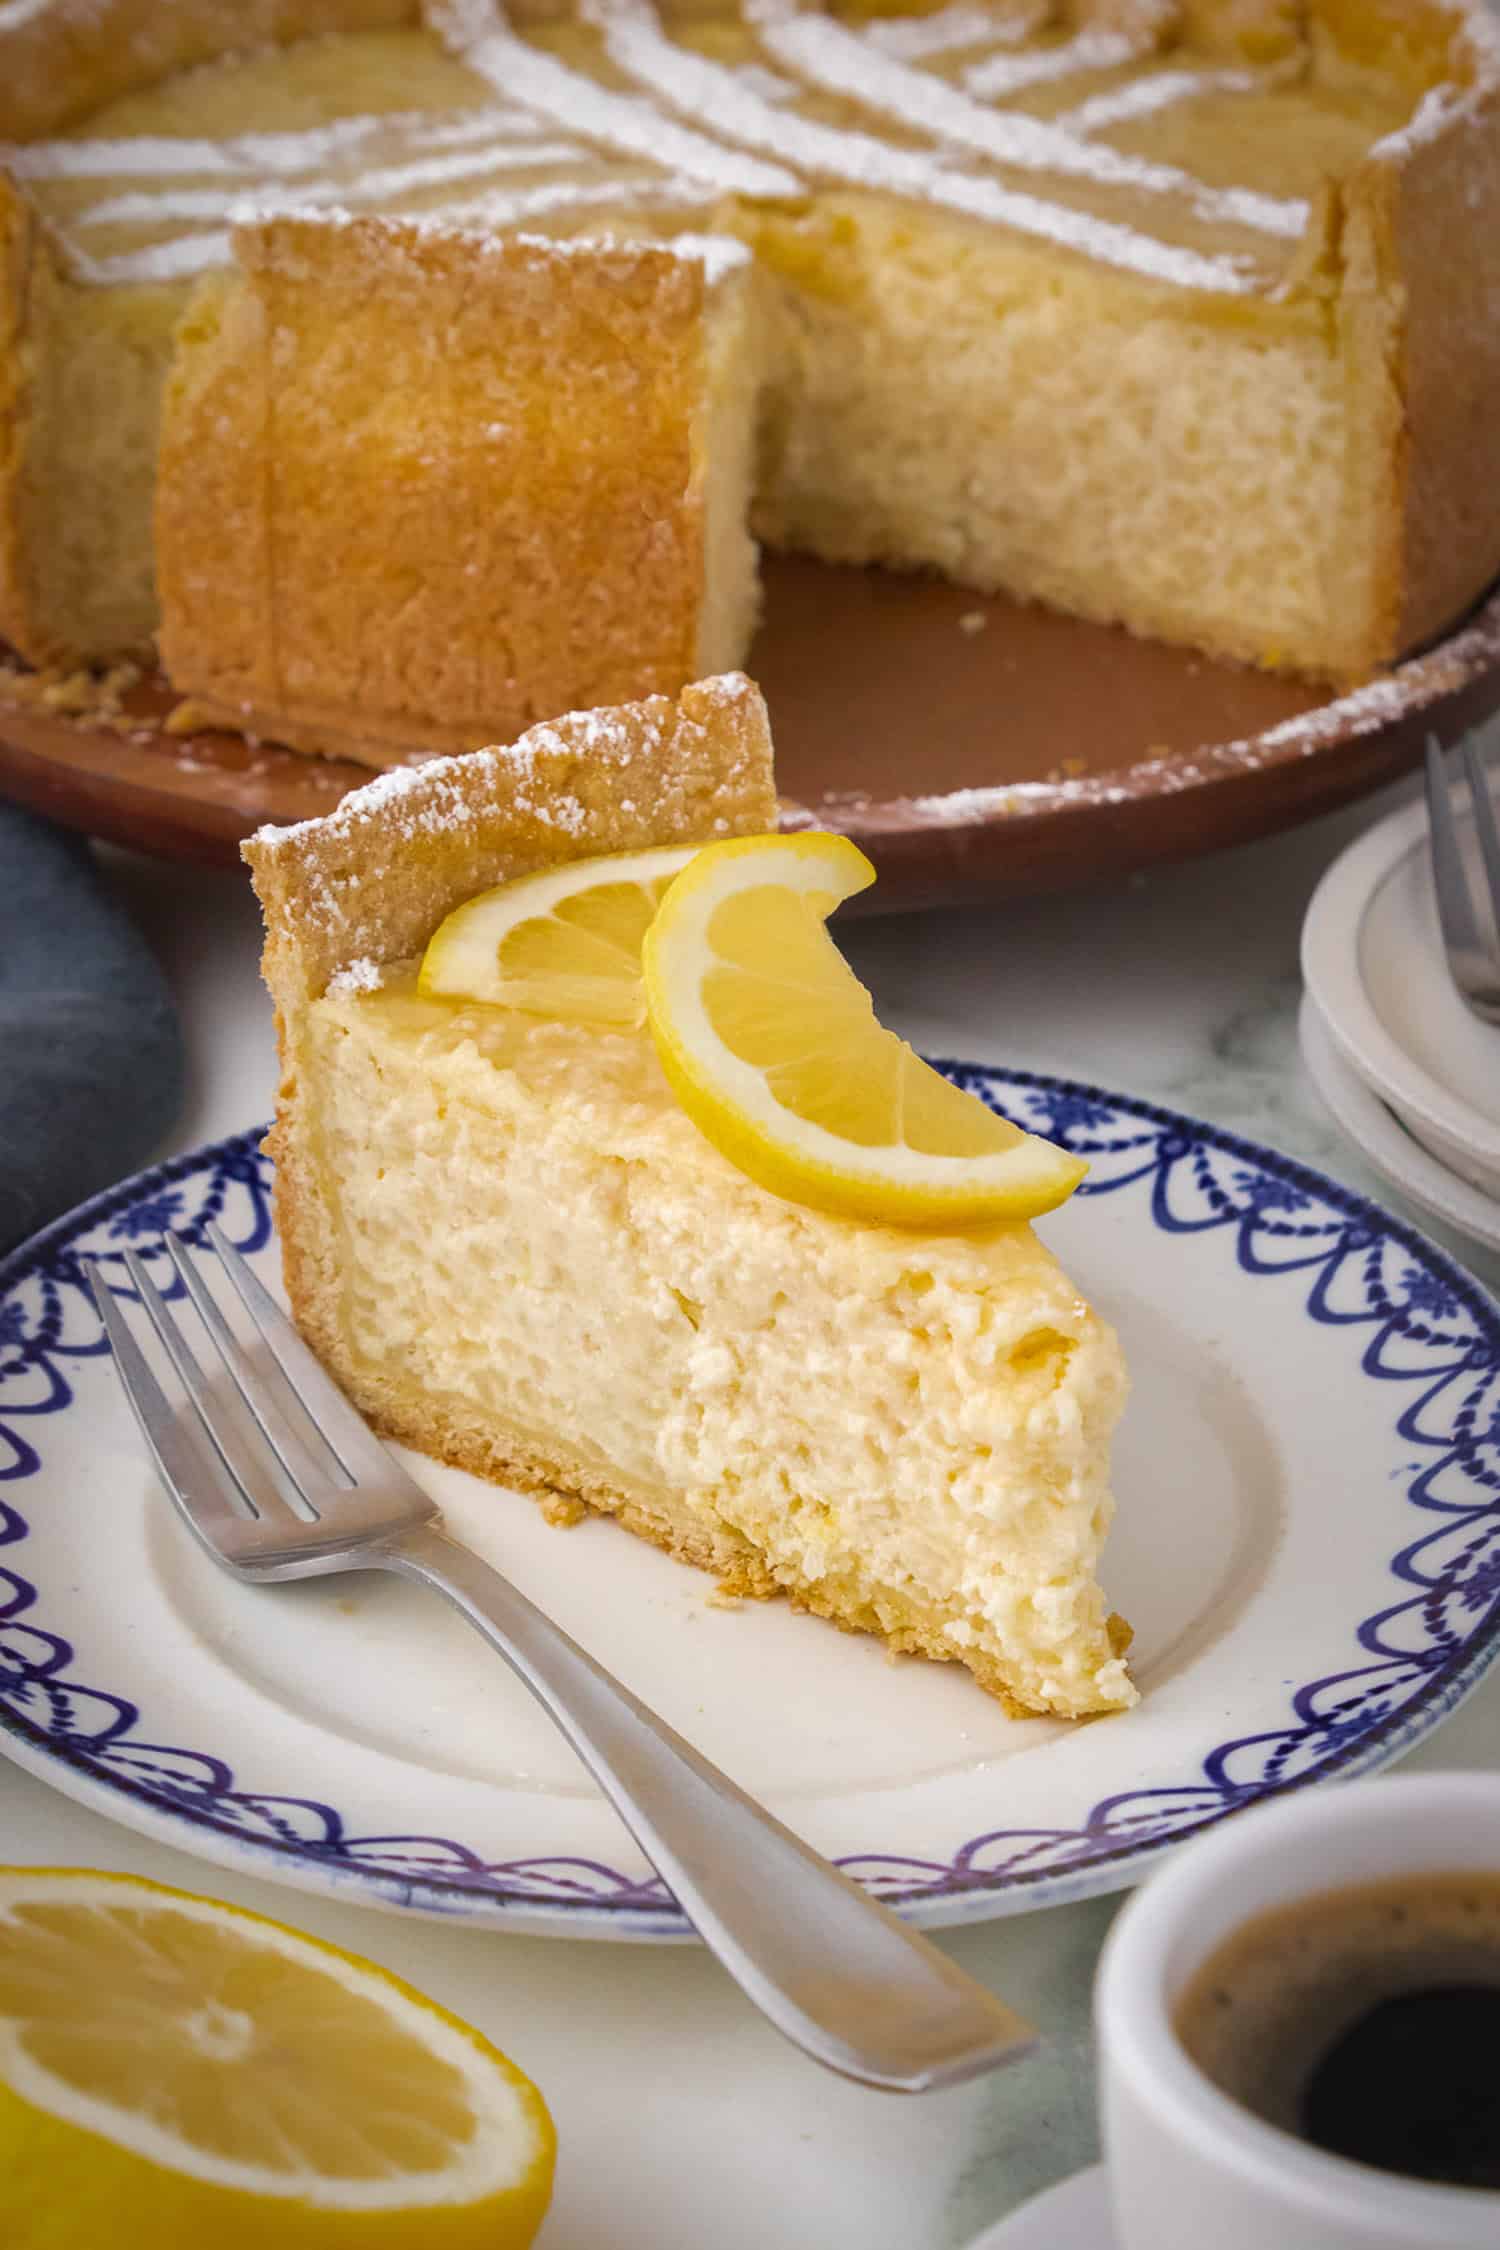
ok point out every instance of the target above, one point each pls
(682, 2119)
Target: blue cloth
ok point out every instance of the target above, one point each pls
(91, 1062)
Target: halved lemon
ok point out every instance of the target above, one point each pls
(563, 943)
(177, 2072)
(772, 1047)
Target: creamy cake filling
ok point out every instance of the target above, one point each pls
(910, 1426)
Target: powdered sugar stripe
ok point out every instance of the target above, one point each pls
(828, 55)
(999, 76)
(439, 795)
(184, 256)
(718, 254)
(363, 188)
(636, 44)
(617, 121)
(913, 38)
(1161, 89)
(190, 254)
(253, 155)
(769, 84)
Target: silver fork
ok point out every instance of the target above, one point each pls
(281, 1478)
(1471, 928)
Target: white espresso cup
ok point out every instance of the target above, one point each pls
(1189, 2168)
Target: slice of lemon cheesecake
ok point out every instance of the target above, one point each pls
(516, 1249)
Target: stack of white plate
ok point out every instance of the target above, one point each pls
(1408, 1072)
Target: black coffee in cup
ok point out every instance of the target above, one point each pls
(1367, 2022)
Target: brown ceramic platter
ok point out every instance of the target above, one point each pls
(975, 747)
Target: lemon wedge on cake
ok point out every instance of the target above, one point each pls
(178, 2072)
(772, 1047)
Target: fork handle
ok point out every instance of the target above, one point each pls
(831, 1967)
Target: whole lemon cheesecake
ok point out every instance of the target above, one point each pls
(1183, 314)
(517, 1240)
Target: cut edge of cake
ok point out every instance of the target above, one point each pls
(422, 486)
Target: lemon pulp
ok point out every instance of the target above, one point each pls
(175, 2070)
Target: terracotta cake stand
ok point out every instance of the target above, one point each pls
(975, 747)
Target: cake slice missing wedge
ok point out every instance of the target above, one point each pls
(515, 1250)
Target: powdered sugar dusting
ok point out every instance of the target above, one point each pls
(910, 38)
(718, 254)
(635, 42)
(253, 156)
(479, 219)
(1359, 713)
(1159, 89)
(621, 121)
(999, 76)
(832, 57)
(359, 976)
(1482, 31)
(1440, 105)
(381, 185)
(702, 130)
(439, 796)
(1435, 112)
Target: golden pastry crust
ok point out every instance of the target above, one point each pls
(372, 880)
(421, 487)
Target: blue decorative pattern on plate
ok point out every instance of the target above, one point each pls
(1309, 1543)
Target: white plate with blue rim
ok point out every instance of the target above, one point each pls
(1308, 1546)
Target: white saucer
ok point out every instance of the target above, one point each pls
(1384, 1142)
(1072, 2216)
(1372, 959)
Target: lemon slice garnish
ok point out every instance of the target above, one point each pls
(564, 943)
(175, 2071)
(771, 1044)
